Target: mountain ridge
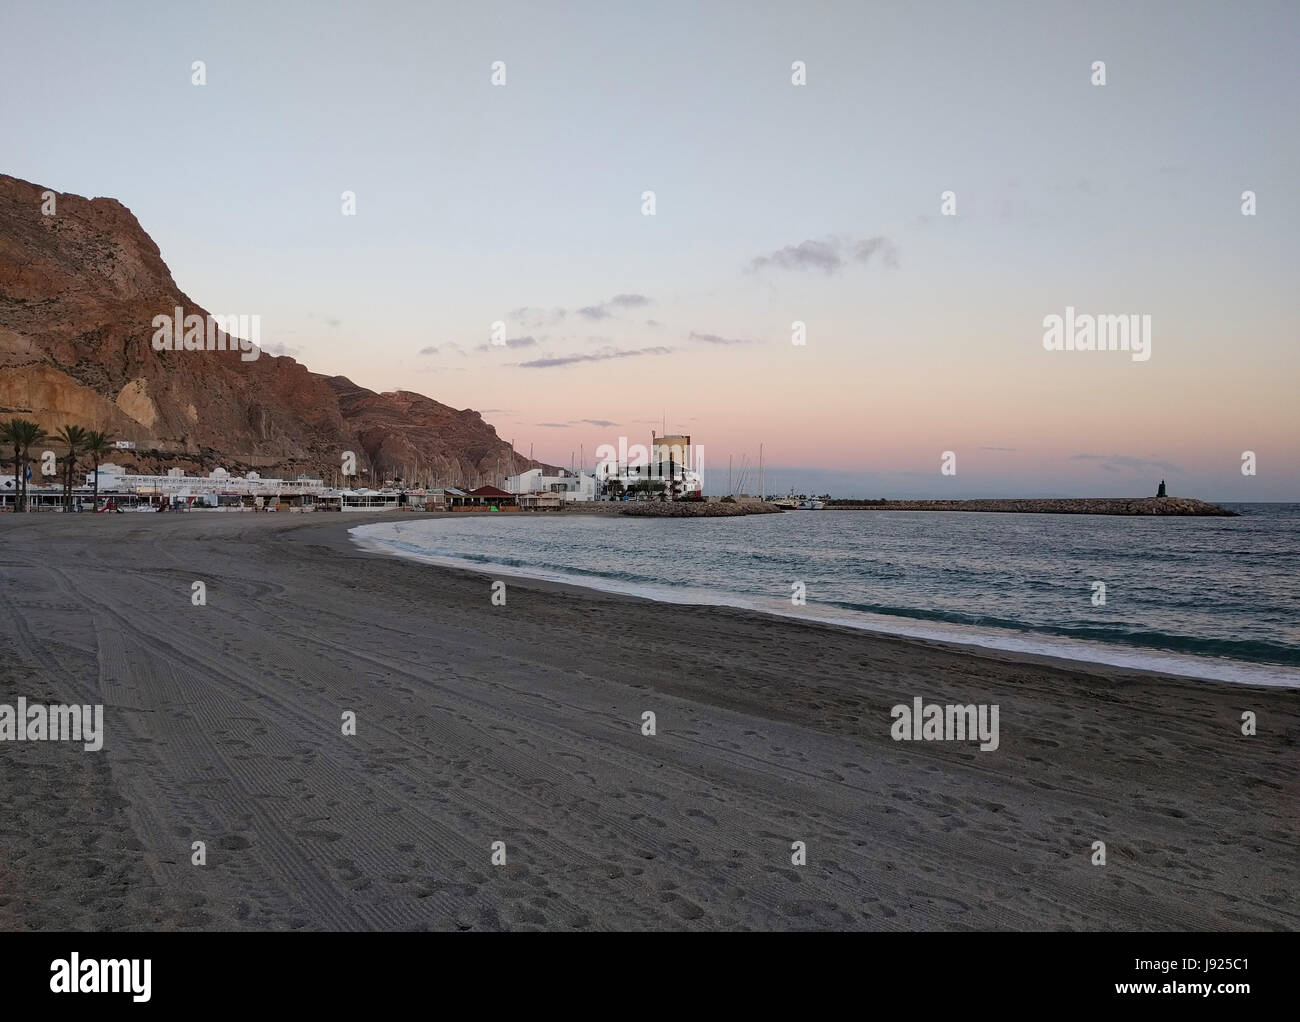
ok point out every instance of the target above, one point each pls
(79, 290)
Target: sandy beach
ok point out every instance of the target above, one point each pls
(522, 724)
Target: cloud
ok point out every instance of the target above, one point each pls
(438, 349)
(829, 255)
(534, 318)
(997, 448)
(281, 349)
(511, 342)
(815, 255)
(553, 425)
(333, 322)
(1128, 463)
(568, 360)
(602, 311)
(715, 339)
(602, 423)
(865, 249)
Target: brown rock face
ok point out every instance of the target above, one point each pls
(78, 294)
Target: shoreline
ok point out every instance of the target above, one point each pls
(522, 723)
(1038, 647)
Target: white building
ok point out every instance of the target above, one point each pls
(115, 479)
(680, 480)
(570, 486)
(671, 465)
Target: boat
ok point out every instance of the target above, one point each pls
(810, 505)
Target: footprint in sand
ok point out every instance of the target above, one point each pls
(319, 835)
(683, 908)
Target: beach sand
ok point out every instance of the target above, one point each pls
(522, 724)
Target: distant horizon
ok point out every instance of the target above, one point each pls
(826, 482)
(859, 252)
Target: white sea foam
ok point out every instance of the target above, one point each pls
(385, 538)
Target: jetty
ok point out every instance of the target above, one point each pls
(1132, 506)
(696, 508)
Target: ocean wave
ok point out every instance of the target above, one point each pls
(1236, 660)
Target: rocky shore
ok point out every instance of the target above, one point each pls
(696, 509)
(1063, 506)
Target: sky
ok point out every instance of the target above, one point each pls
(522, 204)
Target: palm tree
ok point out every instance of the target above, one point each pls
(97, 445)
(74, 438)
(9, 435)
(25, 435)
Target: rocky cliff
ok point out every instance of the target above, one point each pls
(79, 290)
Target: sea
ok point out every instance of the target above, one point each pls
(1214, 598)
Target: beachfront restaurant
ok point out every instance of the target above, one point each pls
(39, 497)
(485, 498)
(50, 497)
(540, 501)
(371, 500)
